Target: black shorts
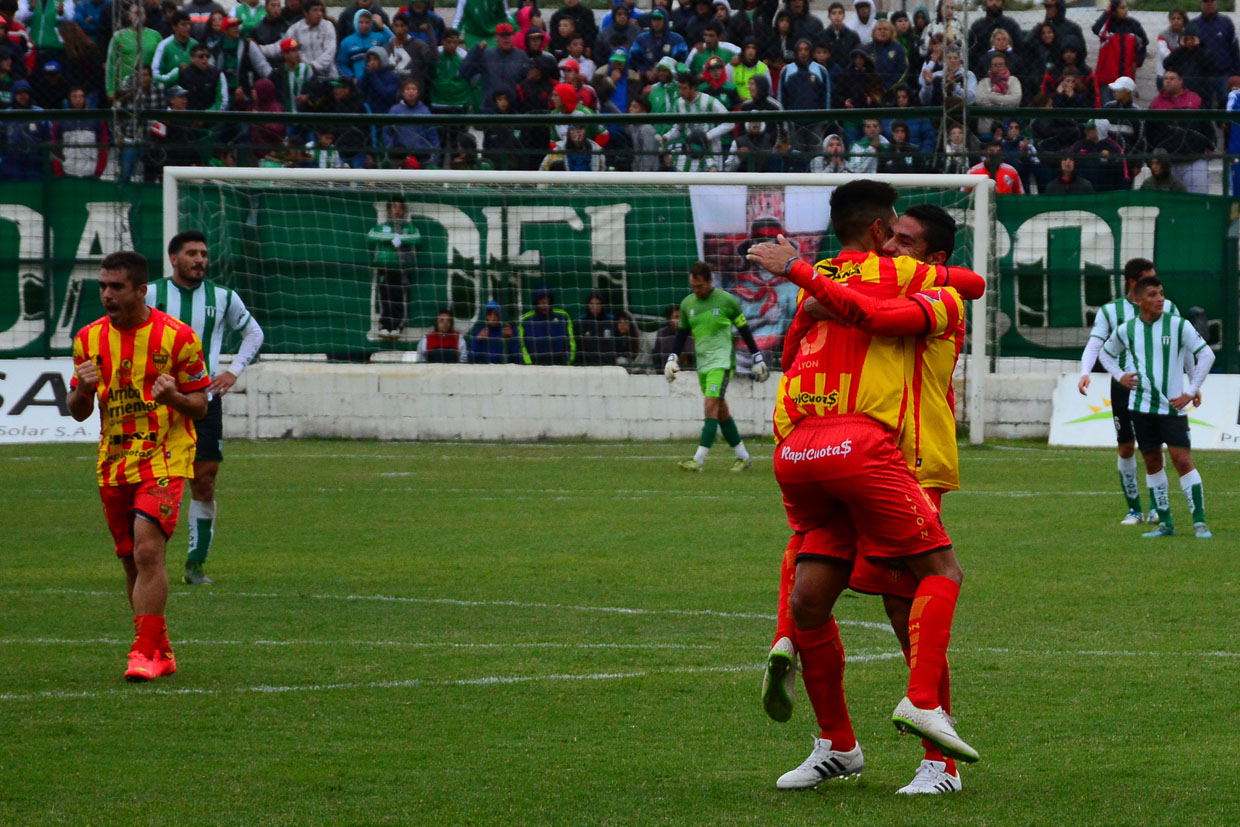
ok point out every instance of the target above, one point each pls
(211, 432)
(1155, 429)
(1121, 413)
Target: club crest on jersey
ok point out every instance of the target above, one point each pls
(1166, 341)
(160, 358)
(715, 312)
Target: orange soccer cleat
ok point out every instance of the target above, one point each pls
(165, 663)
(141, 668)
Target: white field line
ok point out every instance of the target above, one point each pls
(395, 644)
(863, 656)
(447, 601)
(490, 680)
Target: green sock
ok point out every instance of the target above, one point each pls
(1128, 482)
(709, 428)
(201, 530)
(730, 432)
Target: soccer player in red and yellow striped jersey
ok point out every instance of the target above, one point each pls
(147, 371)
(846, 487)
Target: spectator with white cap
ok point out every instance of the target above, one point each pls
(1129, 134)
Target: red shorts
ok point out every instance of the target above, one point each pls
(889, 578)
(156, 500)
(847, 489)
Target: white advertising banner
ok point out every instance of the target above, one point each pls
(1087, 420)
(33, 403)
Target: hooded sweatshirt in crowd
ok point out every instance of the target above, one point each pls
(380, 87)
(351, 56)
(496, 347)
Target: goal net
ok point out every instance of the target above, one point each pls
(316, 253)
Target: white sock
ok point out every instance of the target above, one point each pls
(699, 456)
(741, 453)
(1158, 485)
(1196, 498)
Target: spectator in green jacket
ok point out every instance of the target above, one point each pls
(393, 241)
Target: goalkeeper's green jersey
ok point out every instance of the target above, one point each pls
(710, 321)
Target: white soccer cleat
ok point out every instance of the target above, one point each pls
(823, 763)
(932, 778)
(779, 681)
(935, 726)
(1135, 517)
(1153, 518)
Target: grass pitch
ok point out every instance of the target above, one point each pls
(573, 633)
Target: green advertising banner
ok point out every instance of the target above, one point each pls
(52, 236)
(300, 257)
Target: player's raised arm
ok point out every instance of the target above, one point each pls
(896, 317)
(81, 399)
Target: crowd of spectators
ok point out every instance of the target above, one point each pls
(548, 335)
(679, 56)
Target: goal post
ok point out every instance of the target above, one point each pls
(295, 240)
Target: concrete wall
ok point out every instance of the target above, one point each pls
(277, 400)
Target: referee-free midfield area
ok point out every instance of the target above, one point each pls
(574, 633)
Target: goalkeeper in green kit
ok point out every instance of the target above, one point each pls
(710, 315)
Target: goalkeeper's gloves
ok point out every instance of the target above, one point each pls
(396, 241)
(669, 370)
(760, 370)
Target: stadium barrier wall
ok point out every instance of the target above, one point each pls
(517, 403)
(275, 400)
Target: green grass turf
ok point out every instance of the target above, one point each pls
(572, 633)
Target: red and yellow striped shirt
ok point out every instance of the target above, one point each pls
(838, 369)
(140, 439)
(927, 437)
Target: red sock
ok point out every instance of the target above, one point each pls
(929, 630)
(822, 672)
(784, 625)
(151, 628)
(933, 753)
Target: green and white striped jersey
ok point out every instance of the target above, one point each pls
(1156, 353)
(209, 309)
(1113, 315)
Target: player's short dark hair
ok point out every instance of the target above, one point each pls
(445, 311)
(835, 6)
(133, 263)
(1145, 283)
(178, 17)
(937, 225)
(858, 204)
(1134, 267)
(449, 32)
(182, 238)
(686, 77)
(714, 26)
(699, 269)
(310, 6)
(402, 17)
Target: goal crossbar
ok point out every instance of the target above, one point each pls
(982, 187)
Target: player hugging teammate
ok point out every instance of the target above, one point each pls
(870, 332)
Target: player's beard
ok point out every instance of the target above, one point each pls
(193, 277)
